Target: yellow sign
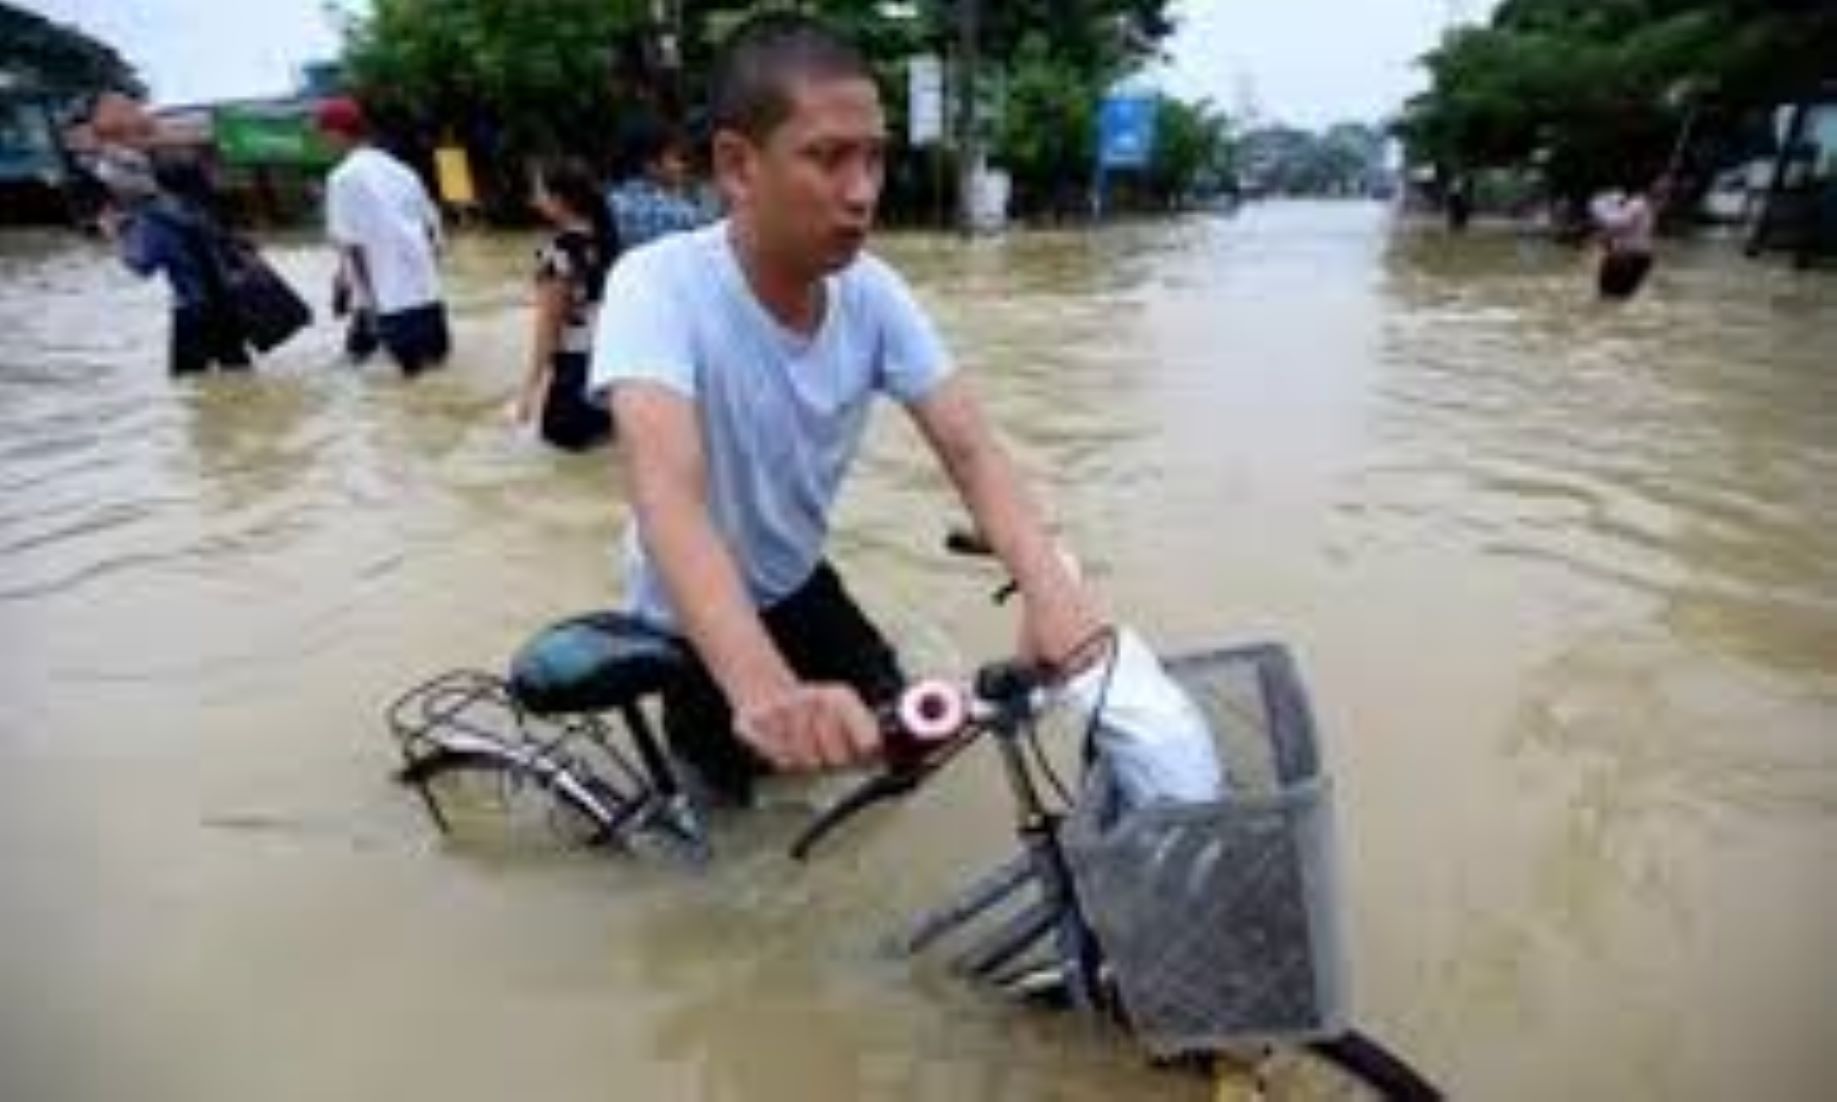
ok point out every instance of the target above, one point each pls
(453, 172)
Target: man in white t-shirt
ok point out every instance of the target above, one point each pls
(740, 362)
(387, 230)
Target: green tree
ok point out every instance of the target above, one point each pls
(1050, 59)
(58, 61)
(1047, 135)
(1591, 92)
(1345, 159)
(509, 78)
(1106, 38)
(1194, 152)
(514, 77)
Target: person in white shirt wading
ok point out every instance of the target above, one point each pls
(387, 231)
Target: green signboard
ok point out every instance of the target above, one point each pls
(244, 138)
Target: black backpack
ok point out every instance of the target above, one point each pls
(267, 311)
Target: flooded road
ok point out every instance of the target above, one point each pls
(1563, 580)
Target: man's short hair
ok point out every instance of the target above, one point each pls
(761, 60)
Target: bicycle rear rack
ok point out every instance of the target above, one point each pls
(469, 719)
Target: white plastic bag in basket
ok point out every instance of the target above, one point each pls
(1156, 739)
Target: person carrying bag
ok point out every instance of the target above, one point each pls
(226, 298)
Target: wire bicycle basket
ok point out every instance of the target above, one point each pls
(1219, 920)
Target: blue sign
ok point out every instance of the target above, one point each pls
(1125, 131)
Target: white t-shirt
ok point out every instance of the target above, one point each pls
(376, 203)
(781, 414)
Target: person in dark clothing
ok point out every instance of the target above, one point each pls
(570, 275)
(174, 233)
(1460, 206)
(162, 219)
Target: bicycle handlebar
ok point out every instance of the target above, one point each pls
(931, 723)
(910, 751)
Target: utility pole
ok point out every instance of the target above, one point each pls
(667, 26)
(969, 148)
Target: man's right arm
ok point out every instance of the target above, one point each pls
(792, 724)
(341, 226)
(661, 448)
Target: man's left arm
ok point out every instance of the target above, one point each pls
(1060, 616)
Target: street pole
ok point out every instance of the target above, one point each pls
(968, 148)
(666, 18)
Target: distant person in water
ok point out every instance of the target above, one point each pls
(570, 276)
(1459, 206)
(388, 235)
(1625, 223)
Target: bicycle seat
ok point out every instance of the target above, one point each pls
(594, 663)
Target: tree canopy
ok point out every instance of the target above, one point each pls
(60, 61)
(1594, 92)
(512, 78)
(526, 75)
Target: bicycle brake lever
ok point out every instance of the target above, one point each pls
(897, 779)
(882, 786)
(921, 731)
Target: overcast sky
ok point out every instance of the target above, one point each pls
(1304, 61)
(1309, 62)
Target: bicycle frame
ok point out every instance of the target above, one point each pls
(436, 729)
(1004, 704)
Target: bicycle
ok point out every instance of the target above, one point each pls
(1254, 982)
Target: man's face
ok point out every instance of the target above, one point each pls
(118, 119)
(810, 187)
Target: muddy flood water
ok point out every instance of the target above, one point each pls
(1562, 578)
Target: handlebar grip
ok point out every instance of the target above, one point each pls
(927, 714)
(917, 732)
